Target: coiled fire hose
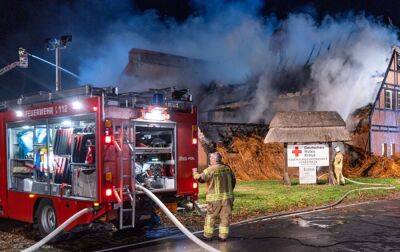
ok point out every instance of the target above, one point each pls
(58, 230)
(175, 220)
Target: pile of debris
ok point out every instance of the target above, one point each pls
(358, 125)
(358, 161)
(251, 159)
(375, 167)
(243, 149)
(361, 164)
(213, 133)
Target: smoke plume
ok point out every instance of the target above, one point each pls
(339, 57)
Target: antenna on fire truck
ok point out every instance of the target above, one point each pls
(56, 44)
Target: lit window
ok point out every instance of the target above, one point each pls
(388, 99)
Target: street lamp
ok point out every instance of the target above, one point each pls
(56, 44)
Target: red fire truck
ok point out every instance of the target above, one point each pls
(87, 147)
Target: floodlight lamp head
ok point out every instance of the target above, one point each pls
(51, 44)
(65, 39)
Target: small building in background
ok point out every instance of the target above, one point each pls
(311, 128)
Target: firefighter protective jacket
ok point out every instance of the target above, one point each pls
(338, 162)
(220, 182)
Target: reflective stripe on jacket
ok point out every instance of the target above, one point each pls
(220, 182)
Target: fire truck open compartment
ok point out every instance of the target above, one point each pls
(155, 155)
(53, 156)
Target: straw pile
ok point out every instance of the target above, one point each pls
(358, 126)
(251, 159)
(375, 167)
(358, 163)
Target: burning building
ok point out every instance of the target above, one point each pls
(221, 106)
(218, 102)
(148, 68)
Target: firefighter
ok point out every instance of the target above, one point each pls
(338, 166)
(219, 196)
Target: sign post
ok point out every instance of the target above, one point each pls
(308, 174)
(331, 177)
(286, 178)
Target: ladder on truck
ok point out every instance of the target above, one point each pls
(123, 139)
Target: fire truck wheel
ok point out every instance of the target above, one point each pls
(46, 217)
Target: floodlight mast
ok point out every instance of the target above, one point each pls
(56, 44)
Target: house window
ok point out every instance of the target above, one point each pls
(398, 100)
(398, 60)
(388, 99)
(392, 149)
(384, 149)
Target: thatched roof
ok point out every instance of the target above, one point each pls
(307, 127)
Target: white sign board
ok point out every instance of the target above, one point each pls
(307, 174)
(307, 155)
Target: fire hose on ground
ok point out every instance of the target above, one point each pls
(184, 230)
(189, 234)
(176, 221)
(337, 202)
(58, 230)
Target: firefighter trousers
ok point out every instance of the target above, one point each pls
(221, 209)
(339, 175)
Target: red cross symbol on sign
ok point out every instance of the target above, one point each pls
(296, 151)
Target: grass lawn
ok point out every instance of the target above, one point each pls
(266, 196)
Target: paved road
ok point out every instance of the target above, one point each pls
(367, 227)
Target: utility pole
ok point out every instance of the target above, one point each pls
(56, 44)
(58, 71)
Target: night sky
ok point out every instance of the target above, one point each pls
(28, 23)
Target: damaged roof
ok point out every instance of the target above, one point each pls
(307, 127)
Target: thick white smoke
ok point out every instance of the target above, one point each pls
(341, 56)
(348, 75)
